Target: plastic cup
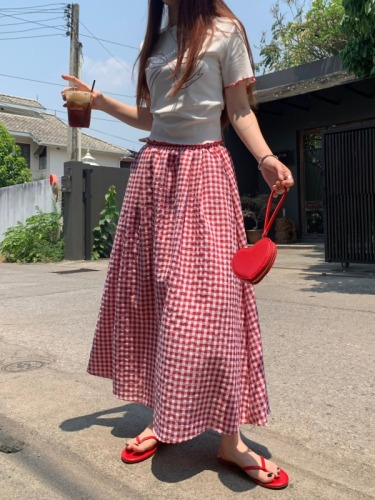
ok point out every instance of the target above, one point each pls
(79, 108)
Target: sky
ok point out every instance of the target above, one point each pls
(34, 52)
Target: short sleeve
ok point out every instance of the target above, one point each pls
(234, 59)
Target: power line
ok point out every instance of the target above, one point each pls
(92, 117)
(31, 7)
(25, 30)
(27, 22)
(31, 22)
(105, 48)
(53, 19)
(114, 136)
(109, 41)
(59, 84)
(23, 37)
(111, 135)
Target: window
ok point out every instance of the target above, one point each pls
(25, 152)
(43, 159)
(126, 162)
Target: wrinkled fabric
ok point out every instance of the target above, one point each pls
(177, 331)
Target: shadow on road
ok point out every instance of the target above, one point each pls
(336, 283)
(172, 463)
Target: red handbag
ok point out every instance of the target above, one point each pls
(253, 263)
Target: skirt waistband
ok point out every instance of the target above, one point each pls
(206, 145)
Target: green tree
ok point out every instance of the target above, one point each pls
(359, 26)
(309, 36)
(13, 166)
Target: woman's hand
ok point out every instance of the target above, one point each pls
(97, 96)
(277, 175)
(134, 116)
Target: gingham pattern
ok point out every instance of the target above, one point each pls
(177, 330)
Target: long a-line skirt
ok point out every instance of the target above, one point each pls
(177, 331)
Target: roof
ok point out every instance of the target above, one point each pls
(299, 80)
(19, 101)
(26, 117)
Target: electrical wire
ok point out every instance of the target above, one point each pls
(31, 22)
(32, 7)
(114, 136)
(105, 48)
(27, 22)
(41, 23)
(59, 84)
(92, 117)
(114, 43)
(24, 31)
(24, 37)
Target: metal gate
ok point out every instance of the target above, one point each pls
(349, 195)
(84, 187)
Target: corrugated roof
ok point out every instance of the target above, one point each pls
(303, 79)
(20, 101)
(46, 129)
(25, 116)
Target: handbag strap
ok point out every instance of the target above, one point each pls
(267, 220)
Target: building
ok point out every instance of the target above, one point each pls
(296, 107)
(43, 138)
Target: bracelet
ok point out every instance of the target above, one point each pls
(264, 157)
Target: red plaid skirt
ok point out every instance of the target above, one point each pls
(177, 331)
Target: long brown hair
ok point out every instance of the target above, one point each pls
(195, 19)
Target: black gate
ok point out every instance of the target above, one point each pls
(349, 195)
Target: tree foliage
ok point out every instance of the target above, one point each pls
(309, 35)
(359, 26)
(13, 166)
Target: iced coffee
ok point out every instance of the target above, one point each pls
(79, 108)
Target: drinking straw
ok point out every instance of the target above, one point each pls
(87, 109)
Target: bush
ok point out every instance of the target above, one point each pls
(104, 233)
(39, 239)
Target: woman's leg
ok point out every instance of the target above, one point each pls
(233, 449)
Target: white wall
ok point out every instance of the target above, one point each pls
(57, 156)
(17, 203)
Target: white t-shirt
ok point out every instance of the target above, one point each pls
(192, 116)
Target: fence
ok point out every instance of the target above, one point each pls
(349, 169)
(19, 202)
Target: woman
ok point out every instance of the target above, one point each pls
(177, 331)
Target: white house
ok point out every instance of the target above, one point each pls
(43, 138)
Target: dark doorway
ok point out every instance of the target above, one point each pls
(311, 175)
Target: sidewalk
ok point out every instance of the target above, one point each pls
(318, 331)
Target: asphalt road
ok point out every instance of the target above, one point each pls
(62, 431)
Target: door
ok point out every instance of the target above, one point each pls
(311, 175)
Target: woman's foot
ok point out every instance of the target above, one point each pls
(233, 449)
(141, 447)
(148, 444)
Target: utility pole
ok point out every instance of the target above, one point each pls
(74, 134)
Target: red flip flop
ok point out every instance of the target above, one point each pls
(278, 483)
(133, 457)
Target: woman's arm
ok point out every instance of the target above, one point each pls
(276, 174)
(131, 115)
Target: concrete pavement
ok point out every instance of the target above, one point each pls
(62, 431)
